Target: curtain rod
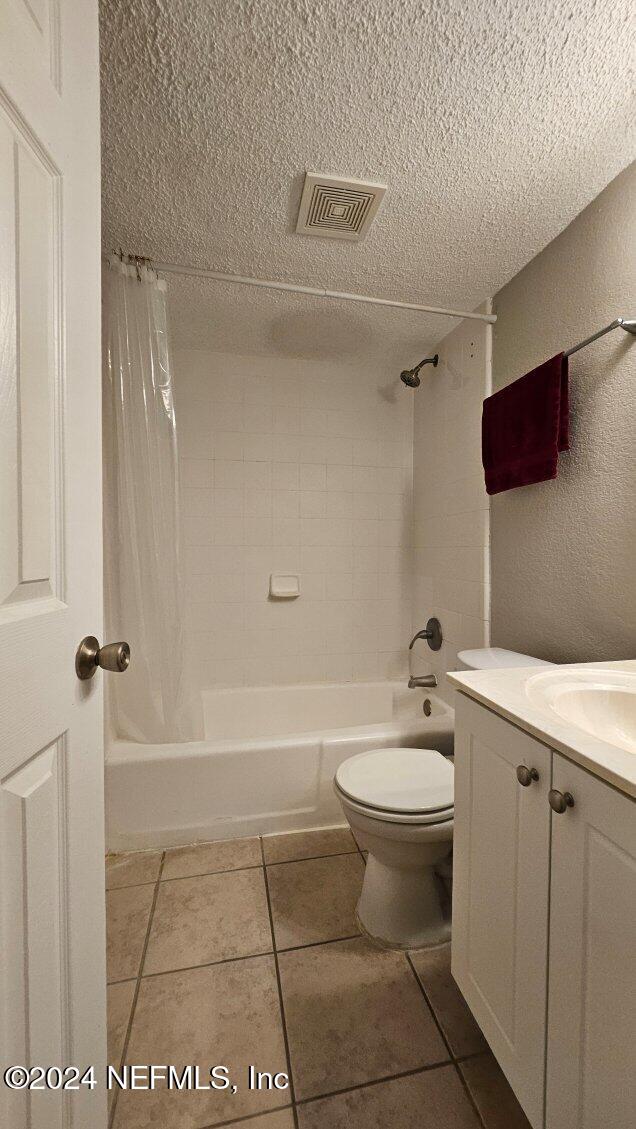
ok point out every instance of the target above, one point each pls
(297, 288)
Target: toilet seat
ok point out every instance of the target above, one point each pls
(398, 785)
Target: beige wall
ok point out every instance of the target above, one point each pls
(450, 504)
(294, 466)
(564, 552)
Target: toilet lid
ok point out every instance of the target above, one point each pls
(398, 780)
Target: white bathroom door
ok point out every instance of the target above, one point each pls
(52, 1006)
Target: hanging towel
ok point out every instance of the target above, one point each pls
(524, 426)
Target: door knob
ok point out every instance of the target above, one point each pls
(89, 655)
(526, 775)
(560, 801)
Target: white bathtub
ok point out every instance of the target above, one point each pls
(266, 764)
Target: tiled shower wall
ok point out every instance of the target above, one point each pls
(302, 467)
(450, 504)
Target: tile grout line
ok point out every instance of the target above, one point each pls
(280, 992)
(233, 869)
(234, 960)
(181, 877)
(453, 1058)
(427, 1069)
(248, 1117)
(111, 1119)
(310, 858)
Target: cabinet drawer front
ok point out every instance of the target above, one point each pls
(591, 1075)
(500, 893)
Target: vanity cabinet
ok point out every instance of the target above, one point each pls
(544, 930)
(501, 869)
(591, 1038)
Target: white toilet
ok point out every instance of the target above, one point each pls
(399, 804)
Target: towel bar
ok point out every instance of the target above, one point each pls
(628, 324)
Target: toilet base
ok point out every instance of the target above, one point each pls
(403, 908)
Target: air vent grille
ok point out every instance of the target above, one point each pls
(335, 208)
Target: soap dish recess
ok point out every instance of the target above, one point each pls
(284, 586)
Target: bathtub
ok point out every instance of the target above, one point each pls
(266, 763)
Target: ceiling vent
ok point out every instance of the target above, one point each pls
(336, 208)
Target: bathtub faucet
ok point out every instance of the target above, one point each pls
(424, 682)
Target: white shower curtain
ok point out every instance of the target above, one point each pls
(141, 526)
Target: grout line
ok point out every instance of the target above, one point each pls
(234, 869)
(444, 1064)
(472, 1054)
(453, 1057)
(124, 1052)
(317, 944)
(280, 993)
(248, 1117)
(130, 886)
(247, 956)
(468, 1092)
(206, 873)
(208, 964)
(310, 858)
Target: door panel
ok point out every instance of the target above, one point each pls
(52, 974)
(500, 893)
(33, 802)
(591, 1018)
(36, 25)
(29, 424)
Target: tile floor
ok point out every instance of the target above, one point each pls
(246, 951)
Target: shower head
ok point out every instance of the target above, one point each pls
(410, 376)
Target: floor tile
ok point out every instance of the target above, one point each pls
(225, 1013)
(315, 900)
(435, 1099)
(211, 918)
(452, 1012)
(132, 868)
(354, 1013)
(281, 1119)
(492, 1094)
(308, 844)
(205, 858)
(127, 913)
(119, 1003)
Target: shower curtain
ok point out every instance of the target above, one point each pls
(143, 591)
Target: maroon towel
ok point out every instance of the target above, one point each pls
(524, 426)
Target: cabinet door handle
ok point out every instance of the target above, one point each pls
(560, 801)
(526, 775)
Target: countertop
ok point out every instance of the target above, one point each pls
(503, 691)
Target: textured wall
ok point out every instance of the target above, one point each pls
(450, 504)
(563, 552)
(294, 466)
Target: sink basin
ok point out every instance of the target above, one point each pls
(600, 702)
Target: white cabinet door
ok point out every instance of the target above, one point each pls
(591, 1066)
(500, 893)
(52, 995)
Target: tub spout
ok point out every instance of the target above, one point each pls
(423, 682)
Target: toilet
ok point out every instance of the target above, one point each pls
(399, 805)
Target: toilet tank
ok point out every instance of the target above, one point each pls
(494, 658)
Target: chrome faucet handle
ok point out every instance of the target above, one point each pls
(432, 633)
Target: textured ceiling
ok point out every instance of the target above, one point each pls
(493, 123)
